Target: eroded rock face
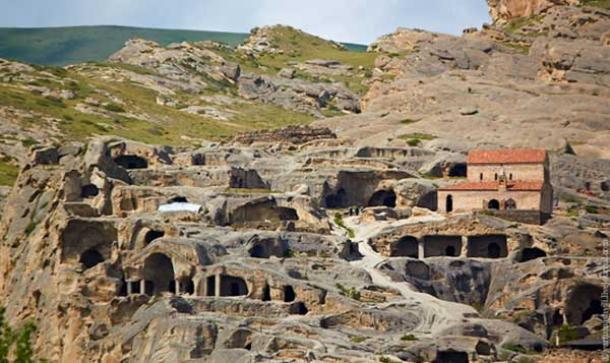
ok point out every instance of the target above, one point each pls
(241, 249)
(502, 11)
(194, 67)
(320, 243)
(297, 94)
(432, 90)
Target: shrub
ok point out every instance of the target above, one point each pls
(514, 348)
(567, 333)
(408, 337)
(113, 107)
(592, 209)
(18, 341)
(358, 339)
(340, 223)
(30, 228)
(28, 142)
(350, 292)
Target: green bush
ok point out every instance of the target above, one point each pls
(567, 333)
(408, 337)
(592, 209)
(350, 292)
(358, 339)
(113, 107)
(340, 223)
(415, 138)
(18, 342)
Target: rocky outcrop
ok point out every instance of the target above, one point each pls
(433, 89)
(502, 11)
(298, 95)
(292, 135)
(122, 250)
(178, 61)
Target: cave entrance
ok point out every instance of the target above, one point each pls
(337, 200)
(211, 286)
(594, 308)
(232, 286)
(178, 199)
(530, 253)
(287, 214)
(458, 170)
(152, 235)
(89, 191)
(266, 293)
(383, 198)
(450, 251)
(407, 246)
(582, 303)
(298, 308)
(159, 269)
(487, 245)
(131, 162)
(442, 245)
(289, 294)
(259, 251)
(451, 356)
(90, 258)
(187, 286)
(493, 250)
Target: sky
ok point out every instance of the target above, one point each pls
(356, 21)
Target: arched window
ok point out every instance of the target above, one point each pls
(159, 269)
(449, 204)
(493, 204)
(510, 176)
(511, 204)
(496, 176)
(481, 176)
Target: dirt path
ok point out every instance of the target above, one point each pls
(435, 314)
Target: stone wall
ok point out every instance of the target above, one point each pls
(518, 172)
(473, 200)
(522, 216)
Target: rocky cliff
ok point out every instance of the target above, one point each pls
(210, 238)
(502, 11)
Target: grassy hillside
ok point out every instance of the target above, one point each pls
(70, 45)
(50, 104)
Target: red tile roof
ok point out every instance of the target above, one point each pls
(506, 156)
(493, 185)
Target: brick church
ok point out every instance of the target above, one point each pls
(511, 183)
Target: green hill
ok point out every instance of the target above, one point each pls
(69, 45)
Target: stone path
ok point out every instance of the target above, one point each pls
(435, 314)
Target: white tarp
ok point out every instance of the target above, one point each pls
(180, 207)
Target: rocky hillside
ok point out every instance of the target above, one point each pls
(169, 205)
(537, 81)
(181, 94)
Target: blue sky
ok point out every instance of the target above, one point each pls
(359, 21)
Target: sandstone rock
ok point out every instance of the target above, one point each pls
(502, 11)
(297, 94)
